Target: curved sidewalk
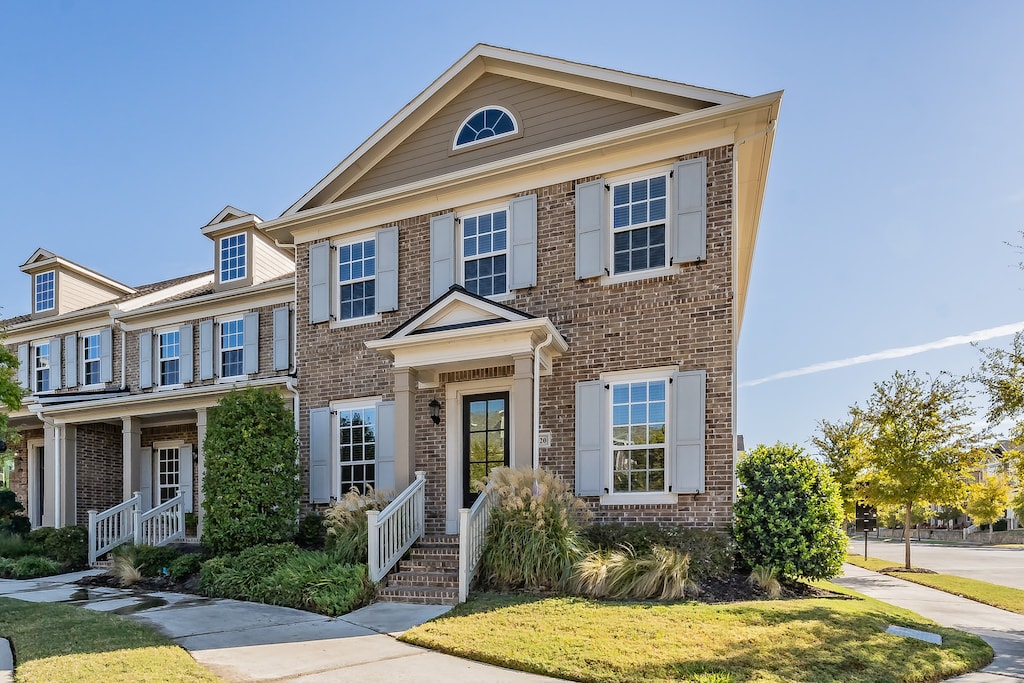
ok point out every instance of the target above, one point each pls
(249, 641)
(1003, 630)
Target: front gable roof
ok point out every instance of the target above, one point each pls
(649, 97)
(457, 308)
(41, 259)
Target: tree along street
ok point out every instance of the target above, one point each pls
(986, 563)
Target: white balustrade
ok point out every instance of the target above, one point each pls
(161, 525)
(393, 530)
(112, 527)
(473, 523)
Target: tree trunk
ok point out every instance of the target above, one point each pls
(906, 533)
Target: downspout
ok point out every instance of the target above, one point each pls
(536, 399)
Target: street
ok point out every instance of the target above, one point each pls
(1003, 566)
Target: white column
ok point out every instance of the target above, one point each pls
(405, 427)
(131, 447)
(522, 412)
(200, 466)
(68, 480)
(51, 443)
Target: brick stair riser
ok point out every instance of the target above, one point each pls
(433, 553)
(433, 566)
(421, 581)
(423, 597)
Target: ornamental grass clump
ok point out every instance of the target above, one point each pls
(534, 537)
(660, 574)
(347, 535)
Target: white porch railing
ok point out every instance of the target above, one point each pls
(112, 527)
(161, 525)
(393, 530)
(473, 523)
(127, 523)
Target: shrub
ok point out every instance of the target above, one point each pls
(10, 519)
(346, 524)
(37, 538)
(789, 514)
(252, 479)
(33, 566)
(711, 553)
(14, 545)
(236, 576)
(312, 533)
(184, 566)
(662, 573)
(68, 545)
(7, 567)
(534, 537)
(153, 560)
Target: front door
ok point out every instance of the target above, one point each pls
(484, 439)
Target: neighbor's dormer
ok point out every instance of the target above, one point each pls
(62, 286)
(243, 255)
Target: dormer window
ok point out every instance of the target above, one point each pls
(44, 299)
(232, 258)
(486, 123)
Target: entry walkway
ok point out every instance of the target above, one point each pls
(1003, 630)
(248, 641)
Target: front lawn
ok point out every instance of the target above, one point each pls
(55, 643)
(1003, 597)
(807, 640)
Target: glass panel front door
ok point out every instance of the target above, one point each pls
(484, 439)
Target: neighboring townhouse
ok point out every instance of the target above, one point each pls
(120, 378)
(535, 262)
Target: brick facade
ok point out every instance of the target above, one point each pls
(99, 479)
(683, 319)
(19, 476)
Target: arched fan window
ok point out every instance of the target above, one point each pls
(484, 124)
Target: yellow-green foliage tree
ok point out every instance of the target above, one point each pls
(918, 443)
(10, 397)
(840, 447)
(988, 499)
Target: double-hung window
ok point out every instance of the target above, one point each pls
(639, 215)
(169, 345)
(41, 367)
(357, 269)
(357, 443)
(232, 347)
(90, 358)
(168, 473)
(485, 253)
(233, 257)
(44, 289)
(638, 436)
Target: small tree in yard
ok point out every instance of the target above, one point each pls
(839, 445)
(789, 514)
(252, 479)
(918, 447)
(988, 499)
(10, 396)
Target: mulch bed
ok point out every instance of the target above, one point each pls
(736, 588)
(147, 583)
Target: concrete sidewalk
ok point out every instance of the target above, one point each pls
(1003, 630)
(248, 641)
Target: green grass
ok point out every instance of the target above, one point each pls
(1003, 597)
(55, 643)
(798, 641)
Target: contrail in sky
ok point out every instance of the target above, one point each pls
(945, 342)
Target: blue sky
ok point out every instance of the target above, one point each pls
(896, 180)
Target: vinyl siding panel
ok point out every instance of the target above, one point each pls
(547, 116)
(268, 262)
(74, 294)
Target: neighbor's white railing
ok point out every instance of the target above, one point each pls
(112, 527)
(161, 525)
(394, 529)
(974, 528)
(473, 523)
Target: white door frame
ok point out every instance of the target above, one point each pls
(35, 506)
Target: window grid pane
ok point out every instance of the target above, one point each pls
(232, 257)
(91, 359)
(357, 267)
(170, 354)
(357, 438)
(484, 249)
(41, 364)
(232, 342)
(168, 473)
(639, 208)
(44, 291)
(638, 436)
(485, 124)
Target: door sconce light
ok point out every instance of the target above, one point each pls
(435, 411)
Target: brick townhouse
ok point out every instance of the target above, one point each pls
(535, 262)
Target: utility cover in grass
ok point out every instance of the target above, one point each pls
(933, 638)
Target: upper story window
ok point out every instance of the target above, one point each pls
(357, 269)
(485, 252)
(232, 348)
(41, 367)
(44, 298)
(90, 358)
(638, 436)
(169, 346)
(639, 210)
(232, 257)
(484, 124)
